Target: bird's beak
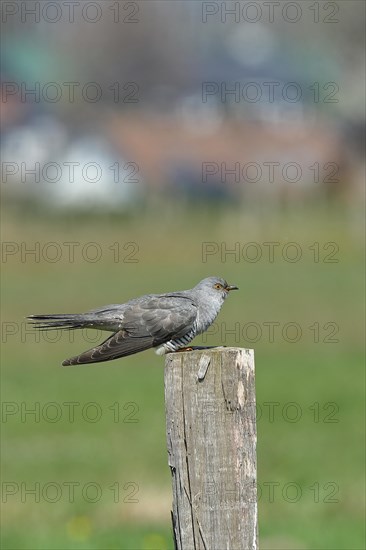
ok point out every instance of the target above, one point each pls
(231, 287)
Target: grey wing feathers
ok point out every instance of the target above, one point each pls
(117, 345)
(162, 317)
(147, 322)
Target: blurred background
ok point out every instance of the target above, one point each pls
(146, 145)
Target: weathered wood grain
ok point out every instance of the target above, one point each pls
(211, 439)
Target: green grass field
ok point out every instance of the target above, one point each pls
(99, 474)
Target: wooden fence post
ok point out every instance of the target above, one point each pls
(211, 439)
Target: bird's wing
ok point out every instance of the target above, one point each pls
(147, 322)
(160, 316)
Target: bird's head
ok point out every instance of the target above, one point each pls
(216, 288)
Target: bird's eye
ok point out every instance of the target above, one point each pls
(218, 286)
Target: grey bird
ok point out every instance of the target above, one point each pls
(167, 322)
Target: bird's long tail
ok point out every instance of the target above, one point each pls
(60, 321)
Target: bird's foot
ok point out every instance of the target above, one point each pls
(198, 348)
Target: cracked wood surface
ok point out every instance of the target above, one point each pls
(211, 439)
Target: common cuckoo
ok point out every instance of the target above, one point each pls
(167, 322)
